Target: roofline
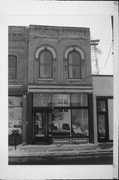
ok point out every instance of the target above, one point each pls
(51, 26)
(63, 27)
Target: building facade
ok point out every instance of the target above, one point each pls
(50, 85)
(103, 107)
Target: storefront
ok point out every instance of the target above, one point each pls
(61, 117)
(15, 106)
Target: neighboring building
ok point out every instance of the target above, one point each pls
(94, 56)
(50, 85)
(103, 107)
(18, 78)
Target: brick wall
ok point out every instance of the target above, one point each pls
(18, 46)
(60, 38)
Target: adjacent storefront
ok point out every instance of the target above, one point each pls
(15, 118)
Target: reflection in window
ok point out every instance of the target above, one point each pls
(74, 61)
(80, 122)
(61, 123)
(101, 126)
(79, 100)
(12, 62)
(15, 114)
(101, 106)
(46, 64)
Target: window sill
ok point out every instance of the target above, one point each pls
(74, 79)
(12, 80)
(45, 79)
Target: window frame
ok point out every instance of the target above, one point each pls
(44, 65)
(16, 59)
(72, 65)
(106, 120)
(71, 108)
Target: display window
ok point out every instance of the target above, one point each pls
(68, 115)
(61, 123)
(80, 123)
(15, 114)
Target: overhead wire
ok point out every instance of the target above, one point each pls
(102, 69)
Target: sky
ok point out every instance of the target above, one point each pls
(72, 14)
(100, 28)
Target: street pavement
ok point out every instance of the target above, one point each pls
(61, 154)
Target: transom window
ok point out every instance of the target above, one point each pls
(74, 63)
(12, 63)
(46, 64)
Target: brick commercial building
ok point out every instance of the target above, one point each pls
(53, 96)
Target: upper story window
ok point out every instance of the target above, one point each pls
(45, 64)
(12, 63)
(45, 55)
(74, 64)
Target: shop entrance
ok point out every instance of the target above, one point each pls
(42, 126)
(102, 117)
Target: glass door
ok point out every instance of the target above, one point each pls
(102, 117)
(42, 124)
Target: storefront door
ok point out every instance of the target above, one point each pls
(102, 116)
(42, 124)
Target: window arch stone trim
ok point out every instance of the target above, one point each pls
(76, 48)
(45, 47)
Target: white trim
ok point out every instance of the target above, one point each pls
(74, 48)
(39, 79)
(71, 79)
(60, 90)
(58, 87)
(16, 85)
(45, 47)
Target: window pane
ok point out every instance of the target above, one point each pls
(80, 123)
(45, 65)
(74, 72)
(15, 119)
(79, 100)
(101, 126)
(61, 123)
(12, 61)
(74, 58)
(61, 100)
(101, 106)
(46, 58)
(14, 101)
(45, 71)
(12, 67)
(41, 100)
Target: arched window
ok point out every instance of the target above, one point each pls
(12, 63)
(45, 64)
(74, 64)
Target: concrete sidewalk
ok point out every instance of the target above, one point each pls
(61, 150)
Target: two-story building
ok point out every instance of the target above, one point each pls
(18, 79)
(50, 85)
(59, 84)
